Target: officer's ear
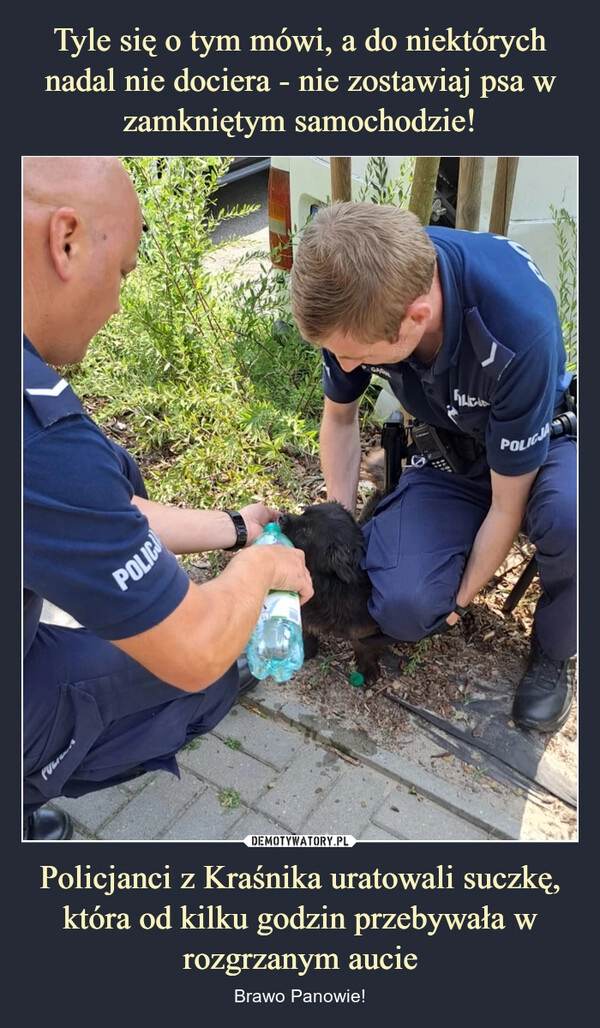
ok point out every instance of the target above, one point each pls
(63, 234)
(420, 310)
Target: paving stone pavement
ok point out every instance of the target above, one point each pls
(268, 769)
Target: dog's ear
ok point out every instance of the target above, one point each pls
(342, 562)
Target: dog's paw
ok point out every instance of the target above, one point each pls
(370, 671)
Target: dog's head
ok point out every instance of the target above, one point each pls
(330, 537)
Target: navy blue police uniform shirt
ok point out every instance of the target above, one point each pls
(502, 366)
(86, 548)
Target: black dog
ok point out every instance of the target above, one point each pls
(333, 545)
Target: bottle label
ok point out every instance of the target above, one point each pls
(281, 605)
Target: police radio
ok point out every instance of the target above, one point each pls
(435, 449)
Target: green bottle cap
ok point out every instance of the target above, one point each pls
(357, 679)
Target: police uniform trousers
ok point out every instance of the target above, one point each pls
(418, 542)
(94, 717)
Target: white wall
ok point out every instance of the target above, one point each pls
(541, 182)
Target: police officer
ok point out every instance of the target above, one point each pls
(155, 662)
(466, 331)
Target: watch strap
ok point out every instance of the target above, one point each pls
(241, 531)
(461, 611)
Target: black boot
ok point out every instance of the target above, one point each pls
(47, 825)
(545, 693)
(247, 679)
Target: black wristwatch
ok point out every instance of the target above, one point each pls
(461, 611)
(241, 531)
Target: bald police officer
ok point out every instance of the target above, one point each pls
(155, 662)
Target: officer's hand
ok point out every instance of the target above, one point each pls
(256, 516)
(290, 573)
(447, 625)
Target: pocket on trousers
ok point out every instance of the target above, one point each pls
(76, 727)
(382, 534)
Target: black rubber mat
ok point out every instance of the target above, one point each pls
(481, 733)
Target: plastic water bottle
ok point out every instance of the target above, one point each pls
(275, 646)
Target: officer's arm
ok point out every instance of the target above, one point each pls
(496, 535)
(339, 442)
(206, 633)
(185, 530)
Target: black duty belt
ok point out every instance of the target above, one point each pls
(564, 417)
(457, 452)
(453, 451)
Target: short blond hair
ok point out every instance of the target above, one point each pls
(357, 268)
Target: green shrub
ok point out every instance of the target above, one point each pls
(565, 228)
(217, 391)
(381, 189)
